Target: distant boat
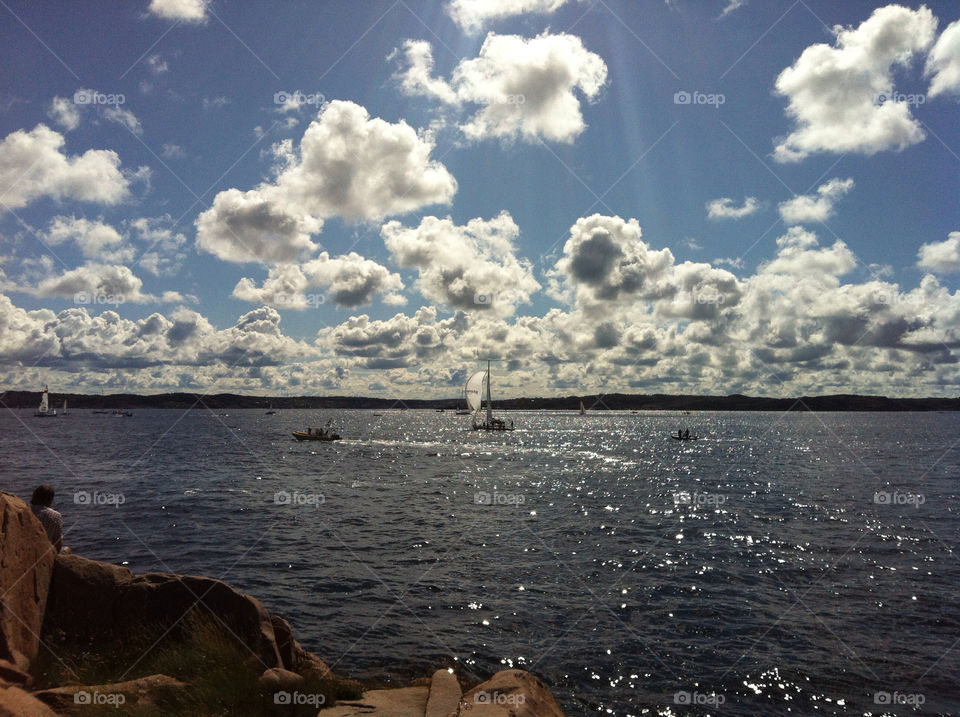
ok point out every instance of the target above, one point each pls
(309, 435)
(64, 411)
(121, 412)
(474, 394)
(583, 411)
(684, 436)
(270, 412)
(101, 411)
(44, 410)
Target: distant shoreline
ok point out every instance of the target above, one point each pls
(593, 403)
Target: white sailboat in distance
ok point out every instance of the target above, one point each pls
(44, 410)
(474, 394)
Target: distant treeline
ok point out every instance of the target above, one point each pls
(604, 402)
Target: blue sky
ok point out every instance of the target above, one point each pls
(365, 198)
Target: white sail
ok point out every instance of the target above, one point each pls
(489, 400)
(44, 403)
(583, 410)
(474, 390)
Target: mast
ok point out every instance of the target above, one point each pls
(489, 406)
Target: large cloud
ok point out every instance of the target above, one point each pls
(466, 267)
(33, 165)
(348, 280)
(96, 239)
(605, 259)
(815, 207)
(348, 165)
(98, 283)
(472, 15)
(943, 63)
(524, 87)
(941, 257)
(841, 98)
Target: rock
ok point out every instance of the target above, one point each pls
(276, 679)
(141, 691)
(312, 667)
(403, 702)
(286, 645)
(14, 702)
(26, 564)
(96, 601)
(512, 693)
(13, 675)
(445, 694)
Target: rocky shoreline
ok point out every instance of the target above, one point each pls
(65, 617)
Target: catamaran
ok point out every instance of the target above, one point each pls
(474, 394)
(44, 410)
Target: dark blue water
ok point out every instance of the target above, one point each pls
(750, 572)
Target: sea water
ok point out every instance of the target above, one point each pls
(782, 563)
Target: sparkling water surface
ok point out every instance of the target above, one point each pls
(785, 563)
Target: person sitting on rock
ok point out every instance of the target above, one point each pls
(50, 519)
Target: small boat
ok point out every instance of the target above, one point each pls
(44, 410)
(270, 411)
(120, 412)
(64, 411)
(309, 435)
(101, 411)
(583, 411)
(474, 394)
(683, 437)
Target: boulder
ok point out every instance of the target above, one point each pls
(276, 679)
(402, 702)
(444, 696)
(13, 675)
(95, 601)
(14, 702)
(512, 693)
(26, 564)
(286, 645)
(114, 696)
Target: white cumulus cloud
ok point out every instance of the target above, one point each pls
(33, 165)
(347, 165)
(523, 87)
(194, 11)
(943, 62)
(467, 267)
(941, 257)
(836, 93)
(815, 207)
(725, 208)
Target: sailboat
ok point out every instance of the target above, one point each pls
(270, 412)
(474, 394)
(64, 411)
(44, 410)
(583, 411)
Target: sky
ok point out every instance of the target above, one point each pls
(372, 198)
